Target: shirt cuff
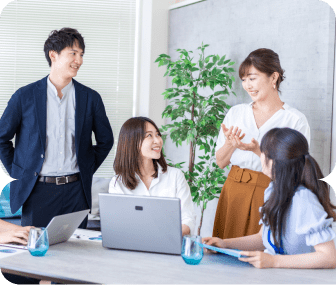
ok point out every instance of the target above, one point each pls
(191, 226)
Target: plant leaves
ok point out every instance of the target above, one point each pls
(209, 65)
(205, 177)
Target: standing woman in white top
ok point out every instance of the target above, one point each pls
(141, 168)
(238, 144)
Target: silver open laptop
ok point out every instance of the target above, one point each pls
(60, 228)
(142, 223)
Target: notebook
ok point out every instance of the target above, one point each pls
(232, 252)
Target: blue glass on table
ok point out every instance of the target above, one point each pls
(38, 241)
(192, 249)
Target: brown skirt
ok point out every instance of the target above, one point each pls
(238, 205)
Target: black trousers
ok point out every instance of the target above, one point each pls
(48, 200)
(19, 279)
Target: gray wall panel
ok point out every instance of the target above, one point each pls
(302, 32)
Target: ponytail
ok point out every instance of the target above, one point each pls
(310, 179)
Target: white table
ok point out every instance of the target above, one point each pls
(84, 261)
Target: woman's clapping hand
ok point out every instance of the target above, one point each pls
(234, 138)
(231, 133)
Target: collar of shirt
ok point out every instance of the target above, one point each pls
(285, 106)
(53, 89)
(154, 180)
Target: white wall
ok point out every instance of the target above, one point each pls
(333, 142)
(152, 41)
(333, 155)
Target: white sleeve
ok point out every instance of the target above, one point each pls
(303, 127)
(114, 186)
(188, 213)
(221, 138)
(311, 219)
(268, 191)
(267, 194)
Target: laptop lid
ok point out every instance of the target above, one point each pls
(61, 227)
(141, 223)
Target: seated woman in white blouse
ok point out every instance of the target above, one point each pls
(141, 169)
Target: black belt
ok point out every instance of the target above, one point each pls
(59, 180)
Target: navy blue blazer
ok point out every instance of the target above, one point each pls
(25, 117)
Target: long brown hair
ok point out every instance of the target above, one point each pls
(265, 61)
(292, 166)
(127, 162)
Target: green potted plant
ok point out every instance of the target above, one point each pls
(196, 118)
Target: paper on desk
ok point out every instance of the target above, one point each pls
(9, 251)
(87, 235)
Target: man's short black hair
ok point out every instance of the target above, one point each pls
(59, 40)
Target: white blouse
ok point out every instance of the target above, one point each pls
(172, 183)
(242, 116)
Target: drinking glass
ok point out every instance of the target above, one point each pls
(192, 249)
(38, 241)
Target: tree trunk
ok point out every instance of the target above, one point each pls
(191, 152)
(201, 222)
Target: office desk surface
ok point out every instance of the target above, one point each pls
(88, 262)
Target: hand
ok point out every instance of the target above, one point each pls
(231, 133)
(185, 230)
(213, 241)
(16, 236)
(26, 228)
(258, 259)
(253, 146)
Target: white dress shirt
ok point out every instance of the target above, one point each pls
(60, 152)
(242, 116)
(172, 183)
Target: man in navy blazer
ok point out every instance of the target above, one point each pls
(53, 160)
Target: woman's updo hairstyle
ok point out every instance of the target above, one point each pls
(265, 61)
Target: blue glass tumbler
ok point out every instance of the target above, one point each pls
(192, 249)
(38, 241)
